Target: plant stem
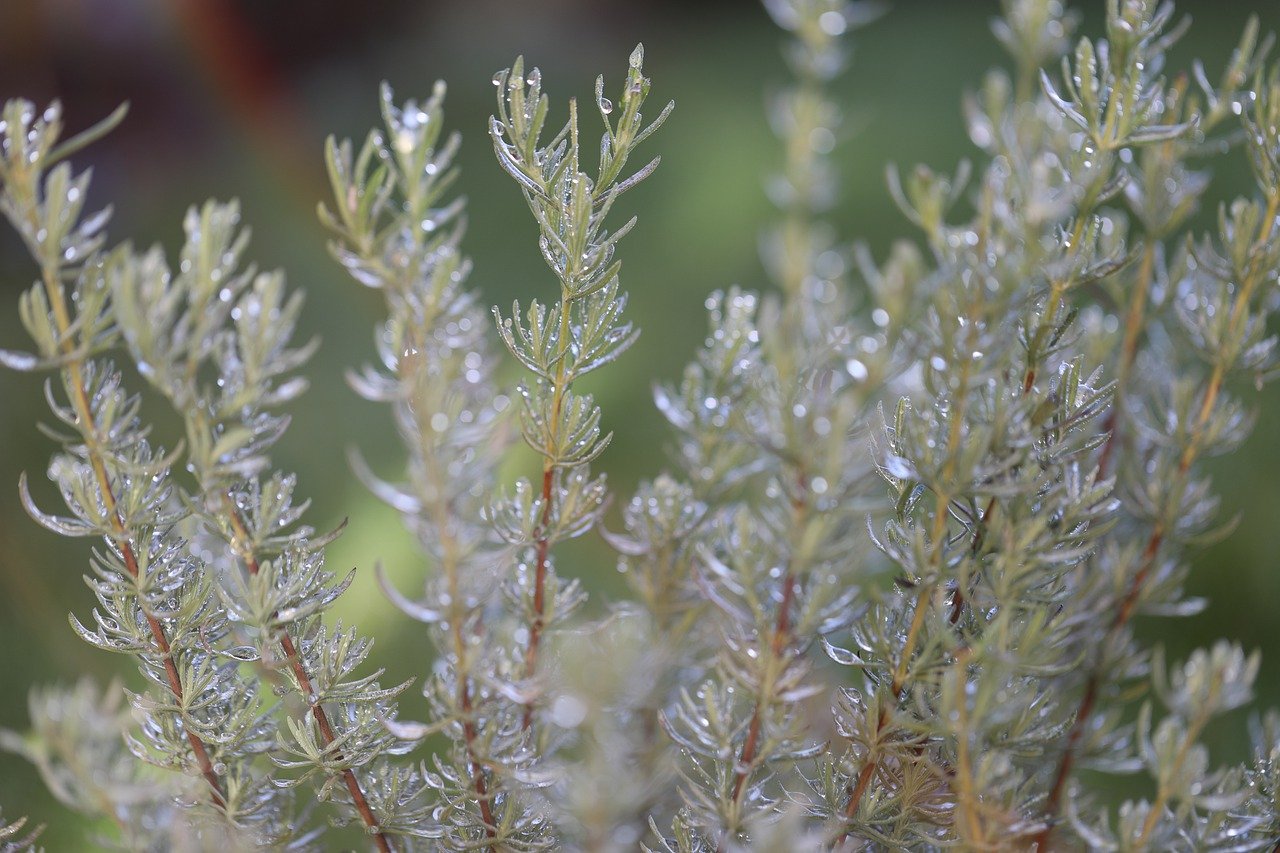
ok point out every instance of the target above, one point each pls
(542, 543)
(1128, 352)
(541, 547)
(781, 634)
(882, 721)
(244, 548)
(478, 782)
(1057, 290)
(898, 684)
(88, 431)
(797, 242)
(457, 619)
(938, 534)
(1130, 601)
(1162, 794)
(469, 733)
(777, 647)
(440, 512)
(963, 776)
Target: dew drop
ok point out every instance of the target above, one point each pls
(568, 711)
(898, 467)
(832, 23)
(405, 140)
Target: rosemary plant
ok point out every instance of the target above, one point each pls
(885, 601)
(396, 233)
(215, 341)
(156, 597)
(780, 560)
(561, 343)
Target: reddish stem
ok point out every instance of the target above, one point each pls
(542, 546)
(457, 618)
(1130, 600)
(477, 772)
(777, 645)
(172, 676)
(781, 633)
(868, 770)
(1092, 686)
(175, 685)
(326, 731)
(88, 428)
(317, 710)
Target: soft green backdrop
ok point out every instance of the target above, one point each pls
(234, 100)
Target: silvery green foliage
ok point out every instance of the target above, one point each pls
(562, 342)
(1181, 411)
(777, 398)
(78, 745)
(215, 339)
(996, 463)
(1195, 807)
(579, 730)
(397, 233)
(200, 715)
(885, 604)
(1262, 775)
(1011, 530)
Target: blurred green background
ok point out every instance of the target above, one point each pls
(233, 98)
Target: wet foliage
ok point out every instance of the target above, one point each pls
(883, 591)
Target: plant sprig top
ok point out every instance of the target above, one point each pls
(560, 343)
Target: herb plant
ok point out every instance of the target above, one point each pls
(885, 601)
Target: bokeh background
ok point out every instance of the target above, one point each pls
(233, 98)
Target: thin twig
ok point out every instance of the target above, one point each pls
(304, 685)
(541, 547)
(457, 620)
(542, 544)
(89, 429)
(1162, 794)
(1128, 352)
(778, 643)
(923, 600)
(1129, 602)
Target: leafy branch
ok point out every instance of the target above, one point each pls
(582, 332)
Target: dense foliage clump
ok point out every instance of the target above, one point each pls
(884, 599)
